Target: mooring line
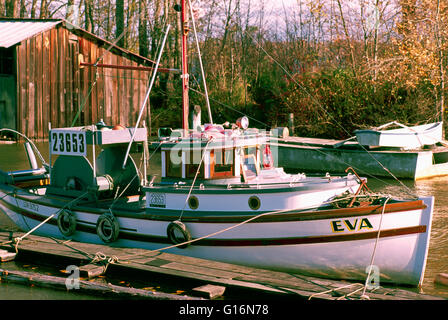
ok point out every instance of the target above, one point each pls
(372, 259)
(19, 239)
(217, 232)
(195, 176)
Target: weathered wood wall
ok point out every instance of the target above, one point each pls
(52, 87)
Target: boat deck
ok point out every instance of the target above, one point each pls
(192, 272)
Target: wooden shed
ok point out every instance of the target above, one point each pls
(44, 78)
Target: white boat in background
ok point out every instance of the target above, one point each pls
(404, 137)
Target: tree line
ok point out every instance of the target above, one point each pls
(337, 65)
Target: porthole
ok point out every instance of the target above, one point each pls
(193, 202)
(254, 203)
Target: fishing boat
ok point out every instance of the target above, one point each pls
(220, 197)
(404, 137)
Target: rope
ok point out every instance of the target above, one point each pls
(363, 295)
(194, 179)
(28, 140)
(406, 188)
(104, 259)
(19, 239)
(96, 78)
(143, 255)
(331, 290)
(98, 257)
(200, 63)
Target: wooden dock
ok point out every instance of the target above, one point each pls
(213, 278)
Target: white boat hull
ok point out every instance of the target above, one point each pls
(406, 164)
(407, 138)
(341, 246)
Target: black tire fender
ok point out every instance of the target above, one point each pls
(67, 222)
(107, 228)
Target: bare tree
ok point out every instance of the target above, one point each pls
(143, 28)
(119, 18)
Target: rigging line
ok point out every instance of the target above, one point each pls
(147, 95)
(96, 79)
(322, 152)
(195, 176)
(326, 112)
(229, 107)
(408, 190)
(28, 140)
(363, 295)
(118, 196)
(151, 252)
(83, 104)
(113, 44)
(349, 164)
(200, 64)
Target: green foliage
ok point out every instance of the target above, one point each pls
(334, 103)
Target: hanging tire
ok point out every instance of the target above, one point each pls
(178, 233)
(67, 222)
(107, 228)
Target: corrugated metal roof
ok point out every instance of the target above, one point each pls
(15, 31)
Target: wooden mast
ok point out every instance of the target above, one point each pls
(185, 75)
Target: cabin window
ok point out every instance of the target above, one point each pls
(250, 167)
(174, 168)
(192, 163)
(251, 151)
(222, 163)
(250, 163)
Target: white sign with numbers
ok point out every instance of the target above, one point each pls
(69, 143)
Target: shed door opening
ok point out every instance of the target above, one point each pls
(8, 106)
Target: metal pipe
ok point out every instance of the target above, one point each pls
(146, 97)
(184, 75)
(31, 156)
(138, 68)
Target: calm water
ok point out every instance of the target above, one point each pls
(12, 157)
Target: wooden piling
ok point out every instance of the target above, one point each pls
(209, 291)
(5, 255)
(91, 270)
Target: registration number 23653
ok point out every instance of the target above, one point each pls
(65, 142)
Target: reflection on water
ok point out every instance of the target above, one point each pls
(438, 248)
(13, 157)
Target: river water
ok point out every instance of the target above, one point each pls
(13, 157)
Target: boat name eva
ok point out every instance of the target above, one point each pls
(347, 225)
